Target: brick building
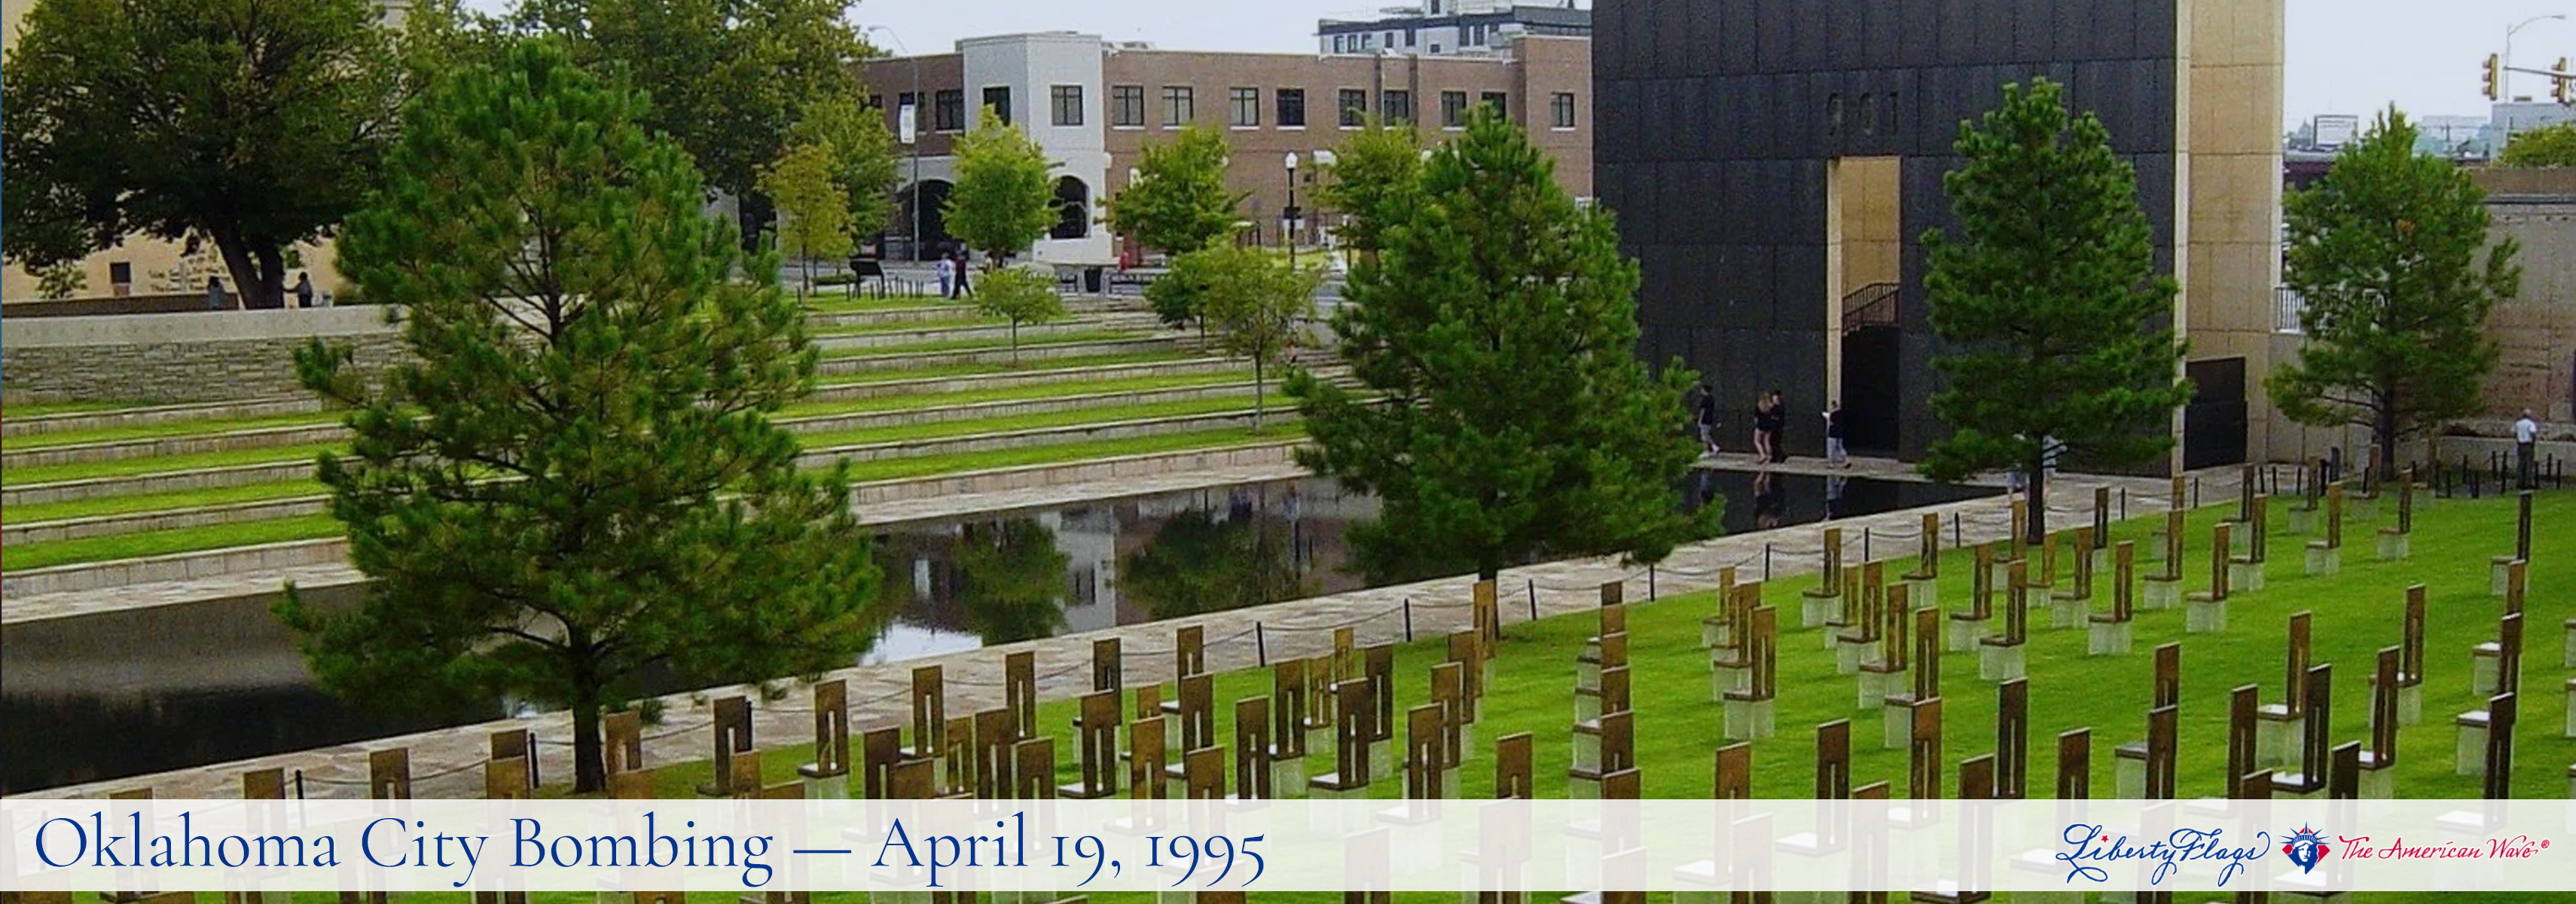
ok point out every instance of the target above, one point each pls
(1095, 105)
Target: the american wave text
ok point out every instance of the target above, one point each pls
(393, 843)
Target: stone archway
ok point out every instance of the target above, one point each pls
(1073, 209)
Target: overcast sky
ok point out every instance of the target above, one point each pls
(2345, 56)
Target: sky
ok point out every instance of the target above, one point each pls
(2344, 56)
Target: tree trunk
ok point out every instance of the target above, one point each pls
(1015, 342)
(590, 770)
(2035, 488)
(257, 272)
(1257, 399)
(2386, 468)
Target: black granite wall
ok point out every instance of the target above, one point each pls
(1712, 136)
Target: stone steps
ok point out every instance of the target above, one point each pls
(932, 309)
(316, 503)
(998, 333)
(1001, 354)
(156, 414)
(74, 588)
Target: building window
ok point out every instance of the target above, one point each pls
(998, 99)
(1410, 36)
(1292, 107)
(876, 102)
(1833, 115)
(120, 273)
(1180, 105)
(1868, 116)
(1453, 109)
(1127, 105)
(1395, 106)
(1390, 40)
(1560, 110)
(948, 110)
(1067, 103)
(1354, 108)
(1243, 107)
(1341, 44)
(1501, 102)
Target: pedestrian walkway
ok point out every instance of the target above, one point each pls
(446, 762)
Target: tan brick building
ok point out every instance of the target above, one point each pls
(1095, 105)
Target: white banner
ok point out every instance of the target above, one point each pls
(904, 119)
(1071, 847)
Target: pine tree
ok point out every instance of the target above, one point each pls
(1505, 415)
(2058, 324)
(1003, 200)
(577, 478)
(2386, 250)
(816, 224)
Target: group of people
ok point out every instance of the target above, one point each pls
(953, 282)
(219, 300)
(1770, 422)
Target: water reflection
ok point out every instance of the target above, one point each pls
(124, 693)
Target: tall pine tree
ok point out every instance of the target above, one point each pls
(577, 479)
(2059, 327)
(2387, 252)
(1505, 415)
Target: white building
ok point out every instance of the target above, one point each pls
(1452, 27)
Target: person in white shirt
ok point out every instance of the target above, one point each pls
(2526, 437)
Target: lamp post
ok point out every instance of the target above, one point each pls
(916, 132)
(1288, 214)
(2506, 88)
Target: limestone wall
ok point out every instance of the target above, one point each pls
(2536, 332)
(191, 357)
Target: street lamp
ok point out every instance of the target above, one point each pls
(1288, 214)
(2506, 88)
(916, 132)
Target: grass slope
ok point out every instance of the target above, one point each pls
(2355, 612)
(192, 539)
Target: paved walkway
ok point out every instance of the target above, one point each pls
(67, 604)
(444, 762)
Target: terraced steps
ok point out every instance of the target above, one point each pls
(139, 513)
(983, 353)
(958, 334)
(29, 565)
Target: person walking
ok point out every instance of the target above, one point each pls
(304, 290)
(1835, 455)
(2526, 443)
(947, 276)
(1706, 417)
(1779, 426)
(965, 287)
(1761, 427)
(216, 300)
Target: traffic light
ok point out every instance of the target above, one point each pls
(2558, 78)
(2495, 75)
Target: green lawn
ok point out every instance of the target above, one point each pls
(190, 539)
(2355, 612)
(965, 321)
(158, 502)
(169, 429)
(21, 556)
(40, 409)
(945, 371)
(838, 303)
(946, 429)
(150, 502)
(193, 461)
(1053, 390)
(1027, 341)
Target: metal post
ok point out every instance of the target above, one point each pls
(1766, 561)
(1260, 645)
(1864, 544)
(1408, 619)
